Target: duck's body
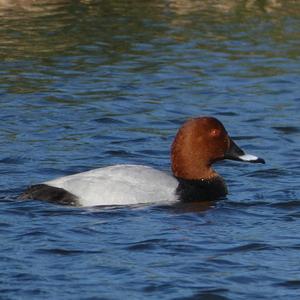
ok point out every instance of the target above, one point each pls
(198, 144)
(113, 185)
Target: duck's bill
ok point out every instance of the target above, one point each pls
(251, 158)
(236, 153)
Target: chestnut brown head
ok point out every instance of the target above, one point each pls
(198, 144)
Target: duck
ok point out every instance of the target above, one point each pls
(198, 144)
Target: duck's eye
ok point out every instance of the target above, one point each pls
(215, 132)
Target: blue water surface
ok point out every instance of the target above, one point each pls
(86, 84)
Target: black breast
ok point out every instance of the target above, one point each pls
(201, 190)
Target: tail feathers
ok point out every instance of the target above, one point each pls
(49, 193)
(29, 193)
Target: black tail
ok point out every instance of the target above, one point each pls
(49, 193)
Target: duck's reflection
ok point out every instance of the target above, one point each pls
(197, 206)
(190, 207)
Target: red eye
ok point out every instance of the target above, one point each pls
(215, 132)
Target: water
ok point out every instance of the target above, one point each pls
(86, 84)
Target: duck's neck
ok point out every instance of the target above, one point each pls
(191, 165)
(197, 181)
(193, 169)
(190, 190)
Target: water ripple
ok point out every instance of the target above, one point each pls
(288, 205)
(65, 252)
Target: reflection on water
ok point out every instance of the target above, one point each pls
(180, 6)
(33, 6)
(70, 39)
(226, 6)
(43, 28)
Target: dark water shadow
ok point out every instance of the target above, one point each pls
(184, 207)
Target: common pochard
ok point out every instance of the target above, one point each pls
(197, 145)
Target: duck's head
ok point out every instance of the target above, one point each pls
(198, 144)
